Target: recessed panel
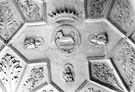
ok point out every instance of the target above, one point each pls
(32, 9)
(103, 72)
(122, 15)
(97, 8)
(123, 58)
(36, 74)
(12, 67)
(10, 21)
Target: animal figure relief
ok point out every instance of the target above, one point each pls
(98, 40)
(65, 40)
(68, 74)
(33, 42)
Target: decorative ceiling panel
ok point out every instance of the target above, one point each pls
(32, 10)
(97, 39)
(68, 74)
(12, 68)
(122, 15)
(102, 71)
(123, 59)
(34, 41)
(36, 74)
(97, 8)
(67, 46)
(10, 21)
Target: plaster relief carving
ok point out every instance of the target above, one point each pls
(104, 73)
(64, 15)
(66, 38)
(68, 73)
(122, 14)
(36, 75)
(98, 40)
(47, 88)
(91, 87)
(33, 42)
(8, 22)
(96, 7)
(125, 59)
(10, 71)
(31, 9)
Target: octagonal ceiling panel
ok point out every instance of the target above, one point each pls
(97, 8)
(69, 73)
(10, 20)
(123, 59)
(12, 67)
(34, 41)
(97, 39)
(32, 10)
(36, 75)
(56, 41)
(122, 15)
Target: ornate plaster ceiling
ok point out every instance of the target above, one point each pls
(67, 46)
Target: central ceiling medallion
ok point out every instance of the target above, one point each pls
(67, 38)
(64, 15)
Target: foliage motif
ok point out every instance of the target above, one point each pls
(104, 73)
(8, 24)
(126, 58)
(122, 14)
(10, 69)
(30, 9)
(96, 7)
(36, 75)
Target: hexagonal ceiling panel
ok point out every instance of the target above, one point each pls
(67, 45)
